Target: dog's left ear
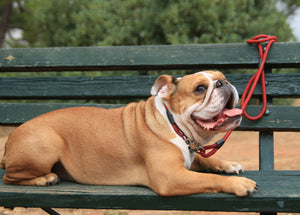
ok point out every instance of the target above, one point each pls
(164, 86)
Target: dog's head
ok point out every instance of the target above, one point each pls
(201, 103)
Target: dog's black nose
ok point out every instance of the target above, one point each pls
(220, 83)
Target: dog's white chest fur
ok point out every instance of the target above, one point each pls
(178, 141)
(188, 156)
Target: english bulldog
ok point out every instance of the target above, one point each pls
(136, 144)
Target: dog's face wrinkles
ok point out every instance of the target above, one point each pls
(216, 111)
(201, 102)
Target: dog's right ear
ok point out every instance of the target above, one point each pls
(164, 86)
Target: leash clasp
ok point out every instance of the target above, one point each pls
(214, 148)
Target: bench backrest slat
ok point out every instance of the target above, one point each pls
(280, 119)
(279, 85)
(147, 57)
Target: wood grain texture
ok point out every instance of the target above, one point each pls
(281, 118)
(196, 56)
(278, 85)
(279, 191)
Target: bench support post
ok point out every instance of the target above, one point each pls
(266, 151)
(50, 211)
(266, 148)
(266, 140)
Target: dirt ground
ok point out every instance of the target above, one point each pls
(241, 147)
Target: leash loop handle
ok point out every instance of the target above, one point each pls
(250, 87)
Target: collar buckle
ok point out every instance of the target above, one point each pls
(193, 146)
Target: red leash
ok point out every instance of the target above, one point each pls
(247, 94)
(259, 74)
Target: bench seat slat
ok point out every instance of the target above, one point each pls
(153, 57)
(282, 118)
(279, 85)
(279, 191)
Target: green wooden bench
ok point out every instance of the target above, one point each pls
(279, 190)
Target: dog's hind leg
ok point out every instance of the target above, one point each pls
(30, 157)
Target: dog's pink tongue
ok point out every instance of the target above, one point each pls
(222, 116)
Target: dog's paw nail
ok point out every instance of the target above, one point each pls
(249, 193)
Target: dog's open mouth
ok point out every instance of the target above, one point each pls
(228, 113)
(218, 120)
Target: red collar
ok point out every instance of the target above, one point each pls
(192, 144)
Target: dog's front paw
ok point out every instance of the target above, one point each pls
(240, 186)
(230, 167)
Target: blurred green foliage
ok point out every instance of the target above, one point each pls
(137, 22)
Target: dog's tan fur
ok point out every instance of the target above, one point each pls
(124, 146)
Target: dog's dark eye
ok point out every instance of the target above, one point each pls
(200, 89)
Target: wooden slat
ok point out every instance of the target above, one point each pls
(76, 87)
(281, 118)
(17, 113)
(279, 85)
(279, 191)
(146, 57)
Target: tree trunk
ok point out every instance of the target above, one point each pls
(4, 22)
